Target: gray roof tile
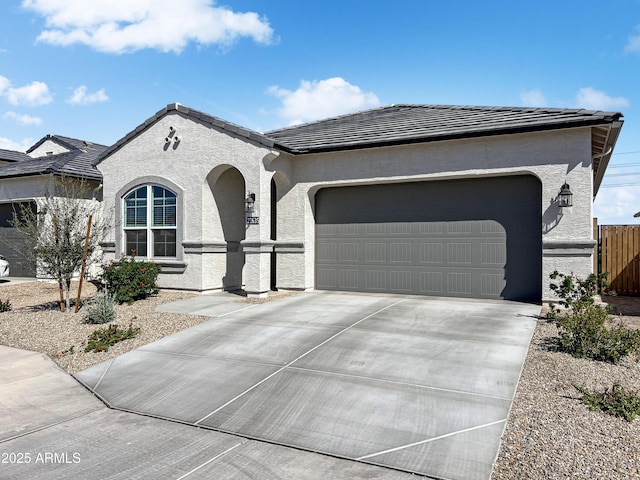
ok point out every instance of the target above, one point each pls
(12, 156)
(400, 124)
(79, 162)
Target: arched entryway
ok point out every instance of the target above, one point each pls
(226, 221)
(280, 185)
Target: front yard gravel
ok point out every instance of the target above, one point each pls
(36, 323)
(550, 433)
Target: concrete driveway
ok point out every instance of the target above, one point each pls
(412, 383)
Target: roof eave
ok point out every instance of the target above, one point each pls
(612, 138)
(445, 137)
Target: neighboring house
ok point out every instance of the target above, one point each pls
(407, 199)
(25, 177)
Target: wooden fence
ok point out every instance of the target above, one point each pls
(618, 253)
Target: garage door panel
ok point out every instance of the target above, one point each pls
(400, 238)
(12, 242)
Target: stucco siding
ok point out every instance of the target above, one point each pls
(194, 158)
(553, 157)
(215, 170)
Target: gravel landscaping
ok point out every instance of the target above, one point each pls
(550, 434)
(36, 323)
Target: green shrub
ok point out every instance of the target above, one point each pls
(589, 334)
(614, 401)
(586, 330)
(575, 293)
(5, 306)
(131, 280)
(101, 309)
(100, 340)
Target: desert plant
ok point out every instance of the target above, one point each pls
(574, 293)
(614, 401)
(590, 334)
(586, 330)
(101, 309)
(131, 280)
(5, 306)
(101, 339)
(58, 230)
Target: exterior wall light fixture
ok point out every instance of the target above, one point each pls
(565, 197)
(249, 204)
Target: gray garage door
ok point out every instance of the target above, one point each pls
(465, 238)
(12, 242)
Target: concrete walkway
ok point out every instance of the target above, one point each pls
(411, 383)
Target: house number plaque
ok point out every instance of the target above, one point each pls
(253, 220)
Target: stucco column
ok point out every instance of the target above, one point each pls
(257, 245)
(257, 267)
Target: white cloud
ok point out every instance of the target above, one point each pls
(533, 98)
(633, 44)
(8, 144)
(4, 84)
(598, 100)
(321, 99)
(121, 26)
(34, 94)
(586, 97)
(81, 97)
(23, 119)
(617, 205)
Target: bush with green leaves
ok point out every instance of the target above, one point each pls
(130, 280)
(614, 401)
(101, 309)
(586, 329)
(574, 293)
(5, 306)
(101, 339)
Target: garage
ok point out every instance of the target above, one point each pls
(12, 242)
(474, 238)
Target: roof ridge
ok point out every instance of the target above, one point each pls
(67, 142)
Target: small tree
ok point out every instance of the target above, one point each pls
(57, 231)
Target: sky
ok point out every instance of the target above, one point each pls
(94, 70)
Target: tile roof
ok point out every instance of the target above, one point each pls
(79, 162)
(67, 142)
(12, 156)
(402, 124)
(391, 125)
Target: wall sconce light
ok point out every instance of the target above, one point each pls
(249, 203)
(565, 197)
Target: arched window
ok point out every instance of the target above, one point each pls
(150, 222)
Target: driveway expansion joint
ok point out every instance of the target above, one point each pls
(432, 439)
(253, 387)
